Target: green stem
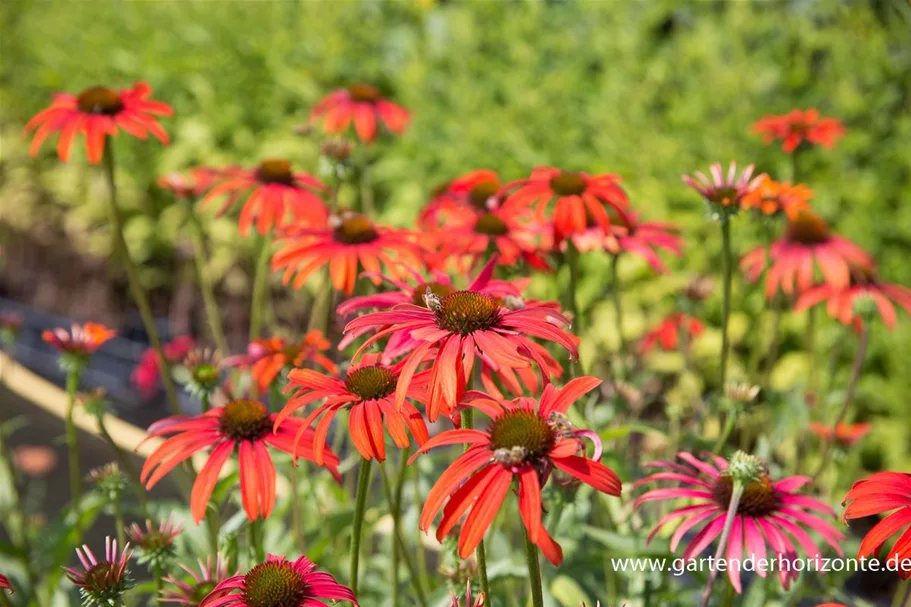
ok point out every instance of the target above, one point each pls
(296, 523)
(368, 206)
(572, 300)
(260, 282)
(399, 541)
(467, 424)
(360, 505)
(727, 268)
(72, 440)
(618, 307)
(206, 284)
(205, 401)
(423, 574)
(902, 596)
(736, 494)
(213, 523)
(255, 537)
(127, 465)
(729, 423)
(158, 581)
(118, 520)
(811, 350)
(534, 573)
(772, 356)
(4, 600)
(139, 295)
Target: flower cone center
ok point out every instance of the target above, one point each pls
(521, 432)
(437, 288)
(464, 312)
(808, 228)
(759, 497)
(273, 585)
(99, 100)
(567, 184)
(355, 229)
(206, 374)
(491, 224)
(364, 92)
(481, 193)
(103, 581)
(371, 382)
(245, 420)
(275, 170)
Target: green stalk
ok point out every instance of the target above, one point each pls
(727, 267)
(127, 465)
(572, 301)
(4, 600)
(360, 505)
(534, 573)
(139, 295)
(618, 308)
(255, 537)
(296, 523)
(398, 545)
(811, 349)
(729, 423)
(260, 283)
(72, 440)
(772, 356)
(205, 401)
(158, 581)
(118, 520)
(368, 206)
(206, 285)
(213, 523)
(423, 574)
(736, 494)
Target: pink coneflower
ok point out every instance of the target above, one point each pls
(842, 303)
(877, 494)
(364, 105)
(667, 333)
(807, 243)
(245, 425)
(279, 581)
(845, 435)
(81, 340)
(770, 516)
(266, 358)
(272, 191)
(525, 441)
(478, 602)
(97, 113)
(146, 377)
(724, 192)
(190, 186)
(457, 327)
(799, 126)
(192, 592)
(578, 195)
(102, 583)
(628, 235)
(349, 243)
(155, 543)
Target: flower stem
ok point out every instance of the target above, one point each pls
(213, 523)
(729, 423)
(534, 573)
(902, 596)
(811, 350)
(157, 572)
(727, 267)
(296, 523)
(206, 286)
(118, 519)
(260, 282)
(360, 505)
(856, 368)
(255, 536)
(72, 440)
(126, 464)
(139, 295)
(572, 301)
(618, 307)
(399, 547)
(736, 494)
(367, 202)
(772, 355)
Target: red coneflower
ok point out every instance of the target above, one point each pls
(628, 235)
(578, 195)
(266, 358)
(841, 303)
(245, 424)
(189, 186)
(146, 377)
(477, 191)
(364, 105)
(350, 241)
(102, 583)
(155, 543)
(724, 192)
(273, 190)
(504, 230)
(845, 435)
(879, 493)
(366, 392)
(96, 113)
(279, 581)
(778, 198)
(5, 584)
(82, 340)
(807, 243)
(525, 441)
(667, 333)
(770, 515)
(455, 328)
(191, 592)
(798, 126)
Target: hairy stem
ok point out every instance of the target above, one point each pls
(399, 546)
(72, 440)
(360, 506)
(534, 573)
(727, 267)
(736, 494)
(260, 283)
(206, 284)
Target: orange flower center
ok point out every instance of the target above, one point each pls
(371, 382)
(567, 184)
(364, 92)
(465, 312)
(491, 224)
(437, 288)
(759, 497)
(808, 228)
(355, 228)
(275, 170)
(273, 584)
(99, 100)
(481, 193)
(520, 436)
(862, 275)
(245, 420)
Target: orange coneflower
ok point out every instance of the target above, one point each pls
(363, 104)
(845, 435)
(807, 242)
(578, 195)
(273, 190)
(96, 113)
(778, 198)
(350, 241)
(80, 339)
(479, 191)
(244, 424)
(629, 235)
(667, 333)
(525, 441)
(459, 326)
(267, 357)
(877, 494)
(798, 126)
(367, 394)
(841, 303)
